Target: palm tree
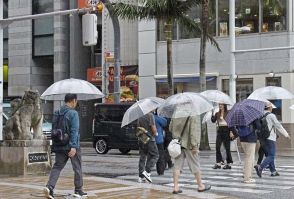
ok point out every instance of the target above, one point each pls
(204, 143)
(167, 11)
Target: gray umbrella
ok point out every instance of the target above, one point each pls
(84, 90)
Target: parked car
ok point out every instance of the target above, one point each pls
(107, 131)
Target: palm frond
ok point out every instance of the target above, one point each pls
(213, 42)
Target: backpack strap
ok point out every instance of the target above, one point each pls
(266, 114)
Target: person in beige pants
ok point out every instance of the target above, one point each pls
(248, 144)
(185, 130)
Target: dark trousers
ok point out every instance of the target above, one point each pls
(61, 159)
(160, 164)
(148, 157)
(261, 152)
(223, 137)
(270, 151)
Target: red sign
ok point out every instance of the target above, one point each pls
(94, 75)
(82, 3)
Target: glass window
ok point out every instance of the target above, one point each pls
(247, 16)
(43, 29)
(223, 18)
(40, 42)
(244, 87)
(195, 15)
(275, 81)
(274, 15)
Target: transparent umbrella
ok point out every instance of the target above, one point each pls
(184, 105)
(141, 108)
(217, 96)
(84, 90)
(271, 93)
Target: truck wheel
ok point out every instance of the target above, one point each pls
(124, 151)
(101, 146)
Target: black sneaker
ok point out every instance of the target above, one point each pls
(216, 166)
(48, 192)
(227, 167)
(275, 173)
(80, 193)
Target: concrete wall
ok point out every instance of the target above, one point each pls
(20, 48)
(186, 55)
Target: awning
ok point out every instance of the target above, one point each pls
(182, 78)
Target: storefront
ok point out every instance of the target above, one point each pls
(129, 82)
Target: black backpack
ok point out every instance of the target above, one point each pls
(262, 131)
(59, 133)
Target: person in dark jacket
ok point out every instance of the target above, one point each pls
(224, 136)
(160, 123)
(70, 150)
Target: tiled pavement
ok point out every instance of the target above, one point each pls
(31, 187)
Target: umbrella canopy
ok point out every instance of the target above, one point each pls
(141, 108)
(217, 96)
(271, 93)
(262, 99)
(245, 112)
(84, 90)
(184, 105)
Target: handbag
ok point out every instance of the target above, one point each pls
(174, 147)
(143, 135)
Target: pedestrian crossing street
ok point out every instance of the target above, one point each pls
(228, 181)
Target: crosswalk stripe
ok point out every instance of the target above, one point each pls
(228, 180)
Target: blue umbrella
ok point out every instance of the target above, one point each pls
(245, 112)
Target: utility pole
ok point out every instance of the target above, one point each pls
(116, 28)
(232, 51)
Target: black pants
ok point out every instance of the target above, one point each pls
(160, 164)
(261, 152)
(223, 136)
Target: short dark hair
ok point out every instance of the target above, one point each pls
(70, 97)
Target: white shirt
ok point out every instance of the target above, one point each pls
(273, 125)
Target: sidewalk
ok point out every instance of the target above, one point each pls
(31, 187)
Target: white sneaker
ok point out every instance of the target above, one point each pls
(250, 181)
(147, 176)
(141, 180)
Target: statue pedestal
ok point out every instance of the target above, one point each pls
(24, 157)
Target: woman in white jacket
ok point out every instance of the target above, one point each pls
(270, 142)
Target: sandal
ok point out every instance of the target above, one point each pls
(179, 191)
(206, 188)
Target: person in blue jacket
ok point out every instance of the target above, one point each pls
(160, 123)
(71, 150)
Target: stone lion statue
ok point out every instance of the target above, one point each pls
(26, 120)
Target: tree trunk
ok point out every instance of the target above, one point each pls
(204, 143)
(169, 36)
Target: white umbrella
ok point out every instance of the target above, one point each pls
(84, 90)
(292, 107)
(217, 96)
(271, 93)
(184, 105)
(261, 99)
(141, 108)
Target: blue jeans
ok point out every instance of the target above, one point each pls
(270, 151)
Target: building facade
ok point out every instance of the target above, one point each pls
(42, 51)
(259, 24)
